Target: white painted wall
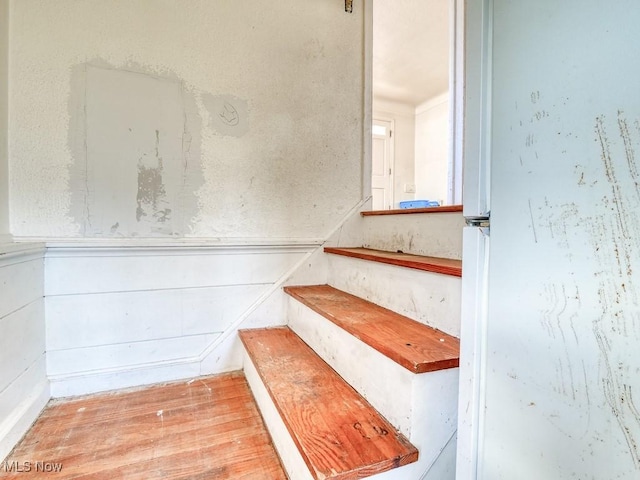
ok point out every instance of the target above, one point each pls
(154, 313)
(24, 389)
(4, 77)
(432, 162)
(404, 141)
(161, 119)
(561, 370)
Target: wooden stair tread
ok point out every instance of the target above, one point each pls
(417, 347)
(446, 266)
(339, 435)
(404, 211)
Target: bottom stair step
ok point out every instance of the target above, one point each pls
(339, 435)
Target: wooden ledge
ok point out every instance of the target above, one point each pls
(446, 266)
(402, 211)
(339, 435)
(413, 345)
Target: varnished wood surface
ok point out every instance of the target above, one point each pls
(339, 435)
(404, 211)
(445, 266)
(415, 346)
(207, 428)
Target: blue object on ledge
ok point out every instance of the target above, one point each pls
(419, 204)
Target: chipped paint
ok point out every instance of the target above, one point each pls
(137, 152)
(271, 127)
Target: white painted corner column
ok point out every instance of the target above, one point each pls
(5, 237)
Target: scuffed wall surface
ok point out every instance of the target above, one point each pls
(563, 370)
(174, 118)
(4, 180)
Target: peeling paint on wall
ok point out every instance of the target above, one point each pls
(136, 146)
(253, 131)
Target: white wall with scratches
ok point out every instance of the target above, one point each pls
(562, 366)
(184, 119)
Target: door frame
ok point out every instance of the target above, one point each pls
(457, 19)
(470, 122)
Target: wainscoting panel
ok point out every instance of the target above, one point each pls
(24, 388)
(120, 316)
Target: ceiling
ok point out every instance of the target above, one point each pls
(410, 50)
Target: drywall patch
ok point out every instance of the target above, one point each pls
(153, 206)
(229, 115)
(135, 140)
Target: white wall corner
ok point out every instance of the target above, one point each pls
(4, 128)
(432, 103)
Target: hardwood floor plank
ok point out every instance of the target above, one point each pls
(205, 428)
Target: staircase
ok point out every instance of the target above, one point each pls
(363, 380)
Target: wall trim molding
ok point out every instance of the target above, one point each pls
(11, 253)
(58, 248)
(63, 250)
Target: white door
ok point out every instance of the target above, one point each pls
(381, 168)
(556, 356)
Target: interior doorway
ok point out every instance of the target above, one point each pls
(382, 164)
(413, 86)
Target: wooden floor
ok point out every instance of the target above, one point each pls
(207, 428)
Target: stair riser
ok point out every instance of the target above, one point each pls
(290, 457)
(429, 298)
(422, 406)
(435, 235)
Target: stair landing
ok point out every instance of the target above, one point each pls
(417, 347)
(338, 434)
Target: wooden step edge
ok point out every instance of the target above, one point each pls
(405, 211)
(367, 423)
(384, 347)
(445, 266)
